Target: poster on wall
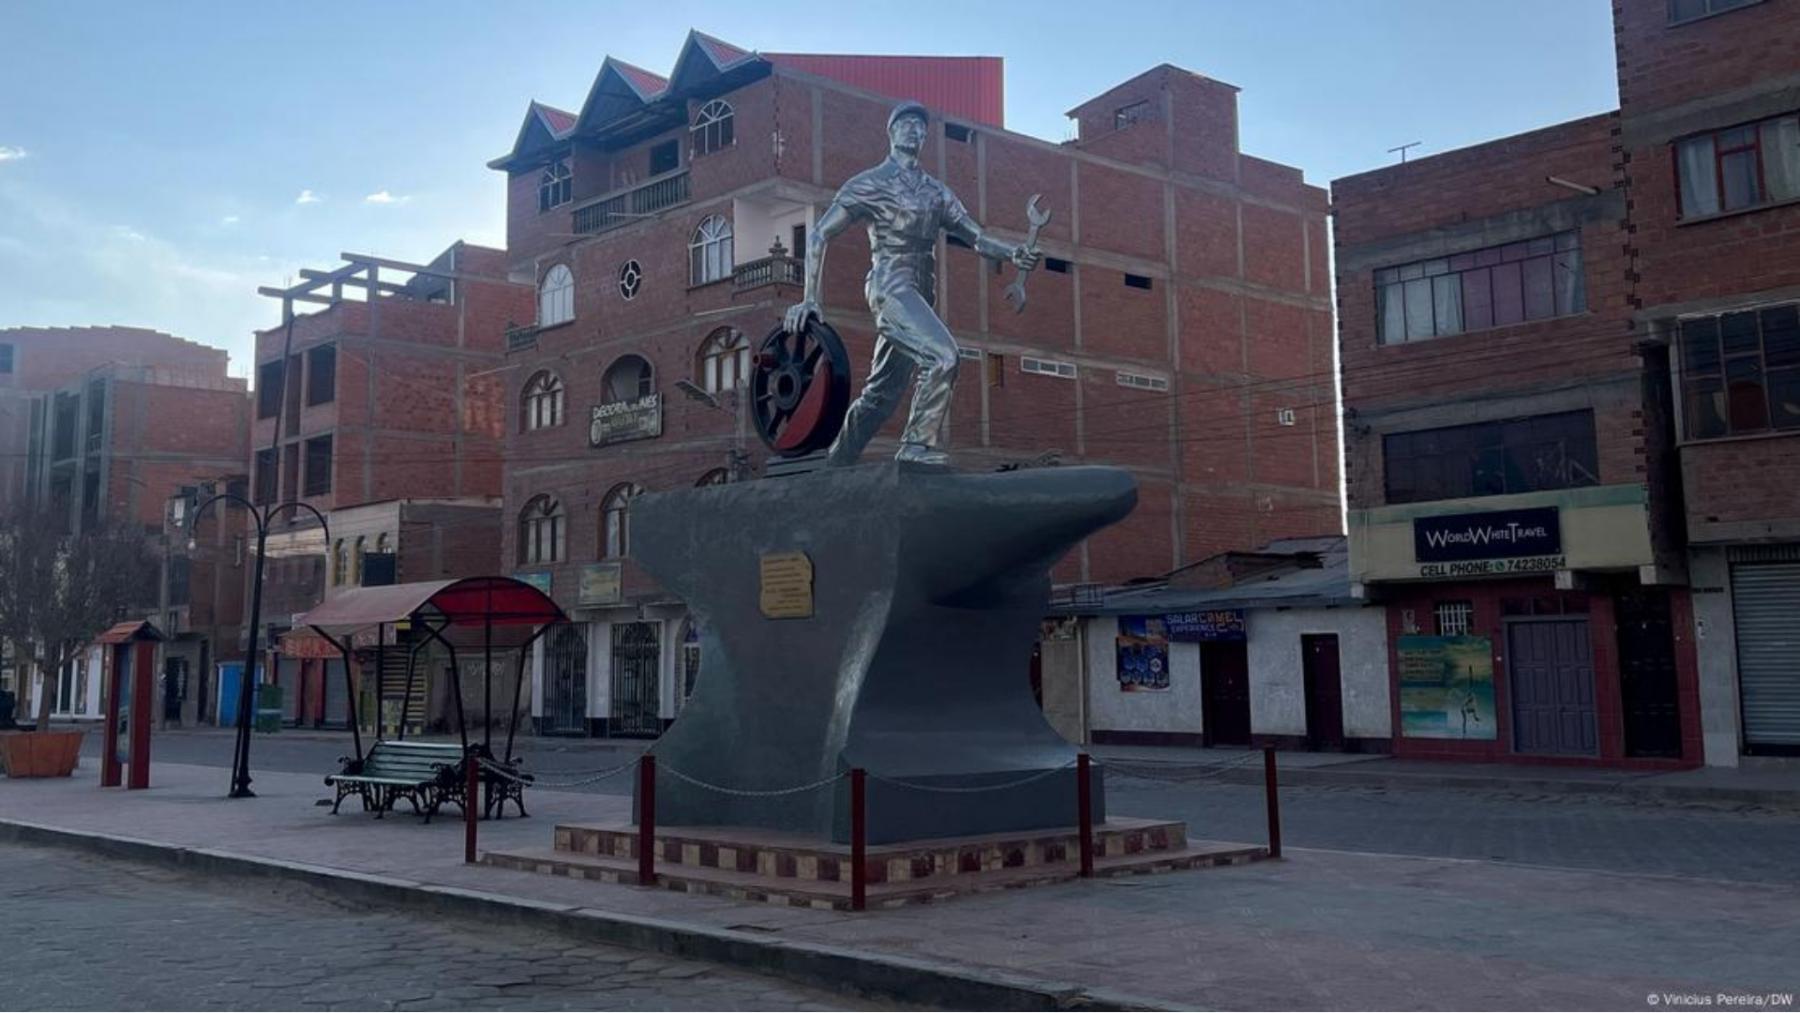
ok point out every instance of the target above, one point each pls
(1143, 649)
(1446, 687)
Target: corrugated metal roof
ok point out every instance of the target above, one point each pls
(967, 87)
(1312, 587)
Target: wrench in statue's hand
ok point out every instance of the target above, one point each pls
(1015, 293)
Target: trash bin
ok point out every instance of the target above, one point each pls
(268, 707)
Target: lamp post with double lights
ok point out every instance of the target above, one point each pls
(240, 761)
(731, 400)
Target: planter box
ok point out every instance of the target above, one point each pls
(40, 754)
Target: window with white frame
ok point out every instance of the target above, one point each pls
(542, 531)
(556, 297)
(1141, 381)
(627, 379)
(1046, 367)
(1453, 617)
(631, 278)
(541, 404)
(712, 127)
(709, 254)
(724, 360)
(615, 511)
(556, 186)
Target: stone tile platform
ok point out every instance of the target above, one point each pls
(798, 871)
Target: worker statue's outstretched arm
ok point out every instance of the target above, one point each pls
(834, 221)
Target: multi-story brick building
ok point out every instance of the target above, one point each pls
(386, 418)
(1566, 359)
(1709, 144)
(109, 424)
(1180, 327)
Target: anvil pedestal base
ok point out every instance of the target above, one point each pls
(907, 656)
(798, 870)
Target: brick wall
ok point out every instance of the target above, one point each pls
(1121, 213)
(1471, 199)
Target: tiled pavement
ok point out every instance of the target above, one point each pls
(106, 934)
(1325, 929)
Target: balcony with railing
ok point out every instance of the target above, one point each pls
(774, 270)
(634, 203)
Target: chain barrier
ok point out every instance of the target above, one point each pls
(973, 789)
(751, 792)
(532, 779)
(1184, 773)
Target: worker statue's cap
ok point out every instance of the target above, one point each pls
(909, 109)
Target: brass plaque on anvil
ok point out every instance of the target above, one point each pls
(787, 585)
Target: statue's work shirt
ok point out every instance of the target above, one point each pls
(905, 209)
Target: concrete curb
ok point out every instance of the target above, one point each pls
(1330, 777)
(838, 969)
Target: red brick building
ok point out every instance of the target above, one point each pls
(111, 424)
(1540, 421)
(1709, 144)
(1181, 326)
(386, 418)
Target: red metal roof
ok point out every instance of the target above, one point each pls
(967, 87)
(471, 601)
(723, 53)
(646, 84)
(557, 120)
(131, 629)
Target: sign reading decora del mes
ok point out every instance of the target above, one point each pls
(623, 421)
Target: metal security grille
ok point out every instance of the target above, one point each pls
(565, 683)
(1766, 600)
(635, 682)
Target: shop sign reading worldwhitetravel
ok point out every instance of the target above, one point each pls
(1493, 542)
(787, 585)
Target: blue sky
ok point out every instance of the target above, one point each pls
(153, 156)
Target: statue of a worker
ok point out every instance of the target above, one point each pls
(905, 209)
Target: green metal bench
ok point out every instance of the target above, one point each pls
(425, 774)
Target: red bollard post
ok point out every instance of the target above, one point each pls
(647, 820)
(1274, 802)
(1084, 800)
(859, 839)
(471, 795)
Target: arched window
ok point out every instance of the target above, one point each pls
(340, 563)
(627, 379)
(356, 563)
(690, 661)
(541, 531)
(615, 532)
(541, 404)
(717, 476)
(712, 127)
(382, 544)
(724, 362)
(556, 296)
(555, 186)
(709, 254)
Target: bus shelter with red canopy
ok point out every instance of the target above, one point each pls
(486, 612)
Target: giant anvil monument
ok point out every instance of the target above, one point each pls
(875, 616)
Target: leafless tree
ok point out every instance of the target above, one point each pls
(58, 591)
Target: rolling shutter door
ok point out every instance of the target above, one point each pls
(1766, 600)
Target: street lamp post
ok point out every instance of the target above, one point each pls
(240, 761)
(733, 401)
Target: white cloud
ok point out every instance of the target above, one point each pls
(127, 232)
(11, 154)
(230, 220)
(383, 197)
(308, 197)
